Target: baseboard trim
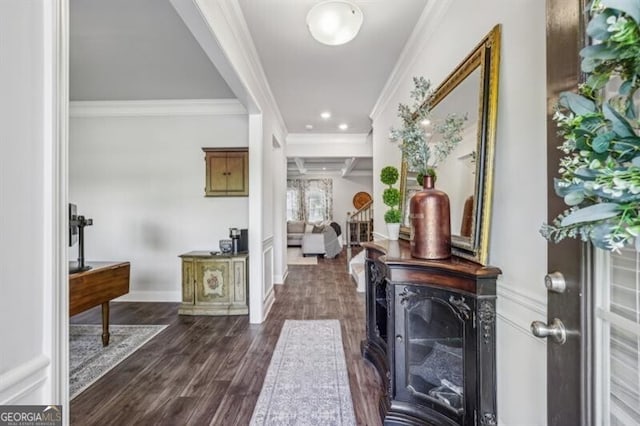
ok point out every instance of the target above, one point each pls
(18, 382)
(279, 279)
(151, 296)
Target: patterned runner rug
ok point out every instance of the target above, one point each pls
(89, 360)
(307, 381)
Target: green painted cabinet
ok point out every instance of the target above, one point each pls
(214, 284)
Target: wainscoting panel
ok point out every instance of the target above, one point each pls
(521, 358)
(19, 384)
(267, 274)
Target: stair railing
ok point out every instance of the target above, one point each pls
(359, 227)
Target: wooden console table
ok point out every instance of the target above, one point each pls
(103, 282)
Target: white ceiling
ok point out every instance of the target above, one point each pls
(136, 50)
(307, 77)
(141, 50)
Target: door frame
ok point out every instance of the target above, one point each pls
(569, 383)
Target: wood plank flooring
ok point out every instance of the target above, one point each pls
(205, 370)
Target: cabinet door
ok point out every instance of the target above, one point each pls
(187, 282)
(216, 173)
(237, 173)
(212, 282)
(430, 352)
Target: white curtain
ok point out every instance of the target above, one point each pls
(310, 200)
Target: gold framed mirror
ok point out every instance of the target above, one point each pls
(466, 175)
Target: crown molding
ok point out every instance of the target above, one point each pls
(156, 108)
(427, 25)
(232, 13)
(306, 138)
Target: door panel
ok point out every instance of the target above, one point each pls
(568, 364)
(237, 172)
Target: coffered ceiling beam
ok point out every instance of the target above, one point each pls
(349, 164)
(300, 163)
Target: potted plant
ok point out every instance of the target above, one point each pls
(418, 128)
(391, 198)
(600, 172)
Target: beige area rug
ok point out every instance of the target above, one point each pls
(307, 381)
(89, 360)
(294, 257)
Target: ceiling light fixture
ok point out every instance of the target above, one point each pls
(343, 126)
(334, 22)
(326, 115)
(308, 127)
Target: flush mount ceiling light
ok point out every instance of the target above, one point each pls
(334, 22)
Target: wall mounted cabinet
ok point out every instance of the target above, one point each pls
(227, 172)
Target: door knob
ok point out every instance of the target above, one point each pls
(555, 330)
(554, 281)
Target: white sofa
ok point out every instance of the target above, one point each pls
(324, 241)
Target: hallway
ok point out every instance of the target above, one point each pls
(209, 370)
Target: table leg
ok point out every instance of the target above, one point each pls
(105, 323)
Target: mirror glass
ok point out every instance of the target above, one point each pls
(466, 175)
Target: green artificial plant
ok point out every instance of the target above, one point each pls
(391, 196)
(600, 172)
(416, 135)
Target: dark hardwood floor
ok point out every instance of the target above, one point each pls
(204, 370)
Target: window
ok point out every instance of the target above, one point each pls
(310, 200)
(618, 337)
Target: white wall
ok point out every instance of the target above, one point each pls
(26, 233)
(220, 29)
(141, 179)
(451, 31)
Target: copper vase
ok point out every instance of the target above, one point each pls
(430, 223)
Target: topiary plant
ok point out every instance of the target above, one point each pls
(391, 196)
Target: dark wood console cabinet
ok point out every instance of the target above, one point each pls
(431, 336)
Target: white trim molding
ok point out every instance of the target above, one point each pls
(522, 299)
(280, 279)
(153, 108)
(267, 243)
(232, 13)
(517, 309)
(426, 26)
(269, 301)
(23, 379)
(304, 138)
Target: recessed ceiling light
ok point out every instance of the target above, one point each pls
(343, 126)
(326, 115)
(324, 168)
(309, 127)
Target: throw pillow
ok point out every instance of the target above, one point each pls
(308, 228)
(318, 229)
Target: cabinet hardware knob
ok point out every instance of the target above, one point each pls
(399, 338)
